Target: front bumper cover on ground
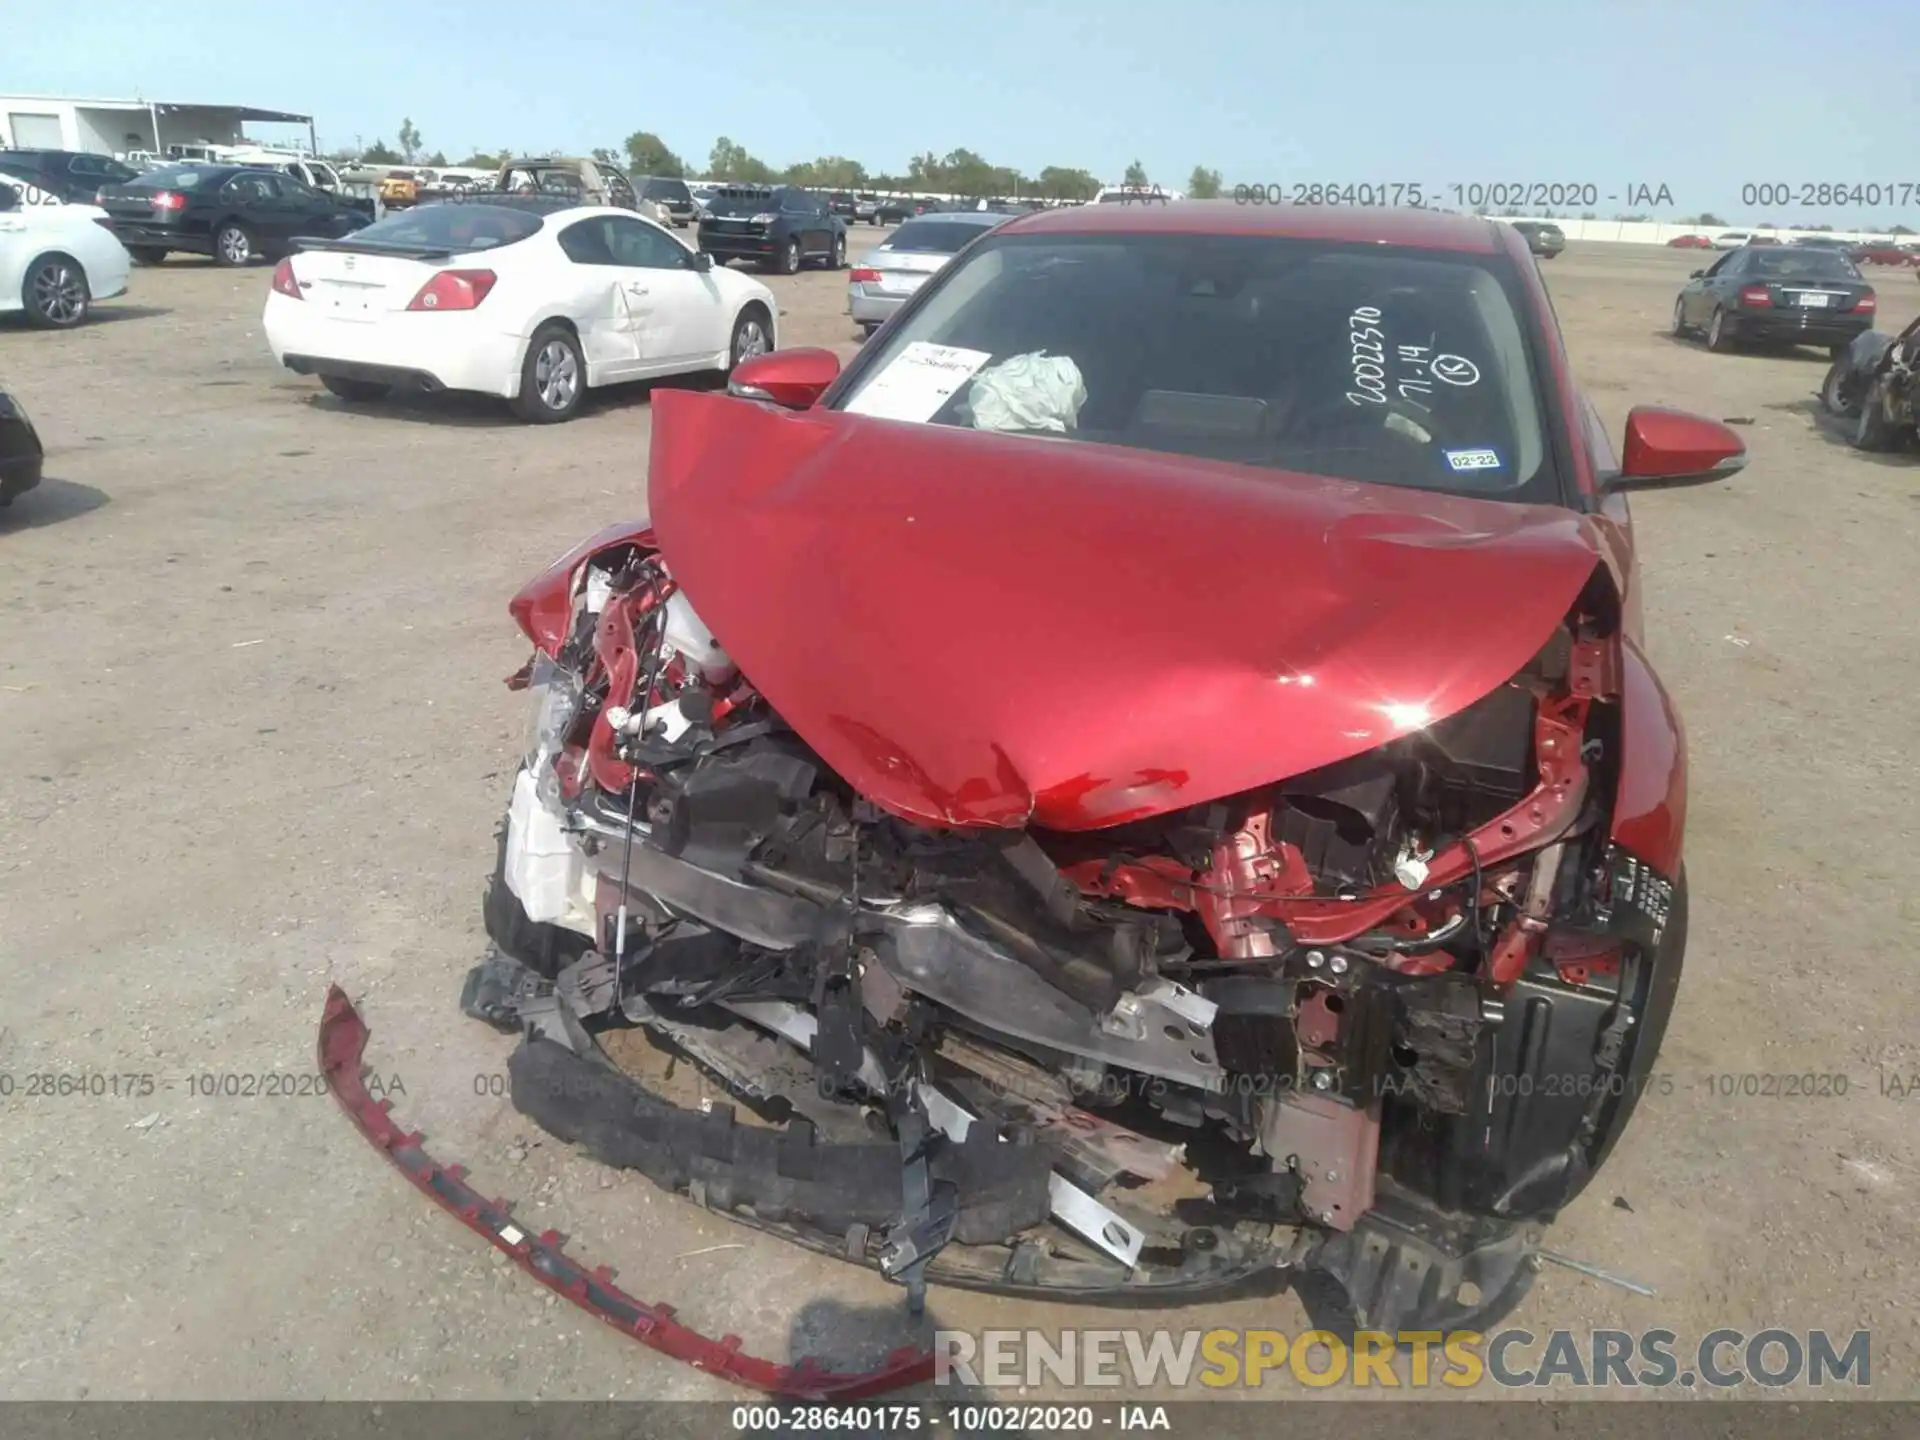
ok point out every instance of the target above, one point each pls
(342, 1041)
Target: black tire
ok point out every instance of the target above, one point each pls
(867, 327)
(1680, 327)
(1718, 340)
(547, 949)
(839, 257)
(789, 263)
(553, 377)
(1833, 391)
(146, 255)
(55, 293)
(1872, 431)
(234, 244)
(357, 392)
(752, 335)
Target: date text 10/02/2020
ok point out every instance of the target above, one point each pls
(1470, 195)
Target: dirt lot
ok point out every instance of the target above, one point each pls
(256, 741)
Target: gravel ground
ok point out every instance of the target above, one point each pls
(256, 741)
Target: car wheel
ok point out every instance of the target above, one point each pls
(553, 377)
(839, 261)
(1833, 390)
(146, 255)
(1679, 318)
(1717, 337)
(1871, 429)
(750, 337)
(790, 257)
(356, 391)
(866, 329)
(233, 244)
(55, 292)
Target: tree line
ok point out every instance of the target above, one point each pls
(958, 172)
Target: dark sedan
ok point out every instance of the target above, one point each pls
(1801, 295)
(903, 208)
(20, 452)
(1544, 240)
(73, 176)
(232, 212)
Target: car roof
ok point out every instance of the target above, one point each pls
(984, 218)
(501, 200)
(1416, 229)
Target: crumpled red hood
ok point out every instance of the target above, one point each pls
(976, 629)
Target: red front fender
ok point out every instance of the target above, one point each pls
(1650, 801)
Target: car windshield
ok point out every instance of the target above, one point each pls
(935, 237)
(1811, 263)
(668, 190)
(1355, 361)
(458, 226)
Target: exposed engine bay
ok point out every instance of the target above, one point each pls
(1381, 1020)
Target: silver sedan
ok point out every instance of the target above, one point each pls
(887, 277)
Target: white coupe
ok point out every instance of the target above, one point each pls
(55, 259)
(527, 298)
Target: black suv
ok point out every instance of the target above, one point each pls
(846, 206)
(781, 226)
(72, 176)
(671, 195)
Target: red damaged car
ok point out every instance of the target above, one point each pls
(1149, 778)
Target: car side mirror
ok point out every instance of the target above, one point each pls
(1697, 275)
(792, 378)
(1674, 447)
(702, 261)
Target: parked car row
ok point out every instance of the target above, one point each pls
(1861, 252)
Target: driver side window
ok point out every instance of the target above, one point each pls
(1728, 264)
(635, 243)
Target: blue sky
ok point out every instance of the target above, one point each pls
(1703, 96)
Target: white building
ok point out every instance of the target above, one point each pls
(115, 127)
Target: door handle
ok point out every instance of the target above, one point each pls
(638, 290)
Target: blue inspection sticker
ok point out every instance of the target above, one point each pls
(1472, 459)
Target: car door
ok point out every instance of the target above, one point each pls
(1698, 296)
(591, 290)
(316, 212)
(14, 240)
(1723, 282)
(803, 220)
(674, 309)
(263, 205)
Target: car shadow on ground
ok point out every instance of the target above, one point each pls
(457, 411)
(1838, 432)
(108, 311)
(48, 503)
(1744, 351)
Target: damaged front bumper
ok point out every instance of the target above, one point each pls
(342, 1042)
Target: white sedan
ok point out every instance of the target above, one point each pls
(55, 259)
(527, 298)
